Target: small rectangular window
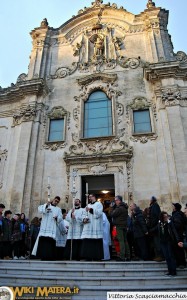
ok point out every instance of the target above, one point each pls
(142, 121)
(56, 130)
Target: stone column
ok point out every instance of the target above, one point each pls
(179, 148)
(22, 152)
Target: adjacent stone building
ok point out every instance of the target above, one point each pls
(102, 109)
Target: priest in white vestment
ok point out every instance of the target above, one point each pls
(92, 234)
(45, 246)
(75, 219)
(61, 238)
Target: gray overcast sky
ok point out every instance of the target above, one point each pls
(19, 17)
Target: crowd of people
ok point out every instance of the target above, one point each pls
(87, 233)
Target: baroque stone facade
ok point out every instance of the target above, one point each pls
(131, 59)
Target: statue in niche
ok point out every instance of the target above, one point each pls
(99, 46)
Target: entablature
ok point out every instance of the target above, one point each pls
(162, 70)
(21, 89)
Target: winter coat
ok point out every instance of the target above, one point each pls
(154, 215)
(34, 230)
(139, 224)
(119, 215)
(7, 229)
(179, 221)
(16, 231)
(168, 233)
(1, 228)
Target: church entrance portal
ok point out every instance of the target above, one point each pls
(102, 186)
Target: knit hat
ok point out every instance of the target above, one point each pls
(177, 206)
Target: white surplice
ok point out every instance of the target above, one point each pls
(75, 225)
(61, 234)
(94, 228)
(51, 217)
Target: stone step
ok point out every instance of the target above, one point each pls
(94, 279)
(109, 265)
(87, 272)
(100, 292)
(49, 280)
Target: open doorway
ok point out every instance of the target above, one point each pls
(103, 186)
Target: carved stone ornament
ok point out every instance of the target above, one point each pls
(150, 4)
(44, 23)
(171, 97)
(118, 43)
(107, 89)
(129, 166)
(132, 63)
(77, 49)
(97, 66)
(98, 169)
(3, 154)
(22, 77)
(120, 169)
(54, 146)
(107, 78)
(25, 114)
(62, 72)
(99, 147)
(99, 4)
(143, 138)
(139, 103)
(120, 109)
(57, 112)
(181, 56)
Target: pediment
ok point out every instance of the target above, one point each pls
(108, 13)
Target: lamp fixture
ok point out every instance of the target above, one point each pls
(105, 192)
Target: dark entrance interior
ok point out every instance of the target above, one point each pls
(103, 186)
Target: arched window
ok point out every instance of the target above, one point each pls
(97, 115)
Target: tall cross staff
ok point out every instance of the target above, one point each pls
(48, 190)
(73, 192)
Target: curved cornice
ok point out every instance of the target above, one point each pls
(93, 13)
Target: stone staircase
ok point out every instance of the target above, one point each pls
(94, 279)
